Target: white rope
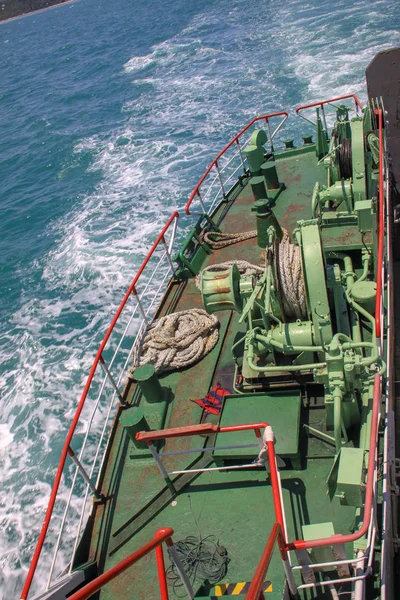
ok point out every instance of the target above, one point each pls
(179, 340)
(291, 279)
(245, 269)
(216, 239)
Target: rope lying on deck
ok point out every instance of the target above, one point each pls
(203, 559)
(179, 340)
(217, 239)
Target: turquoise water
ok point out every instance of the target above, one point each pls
(109, 113)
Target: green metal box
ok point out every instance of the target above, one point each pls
(280, 409)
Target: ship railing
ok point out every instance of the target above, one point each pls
(368, 529)
(162, 536)
(321, 104)
(276, 537)
(117, 352)
(384, 302)
(264, 440)
(224, 170)
(97, 405)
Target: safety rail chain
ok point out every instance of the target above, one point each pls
(162, 535)
(145, 309)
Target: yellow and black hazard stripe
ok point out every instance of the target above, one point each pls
(234, 589)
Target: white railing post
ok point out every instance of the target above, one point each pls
(203, 208)
(111, 379)
(269, 135)
(179, 567)
(324, 118)
(140, 305)
(82, 471)
(241, 155)
(221, 183)
(171, 264)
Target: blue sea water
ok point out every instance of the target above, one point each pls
(109, 113)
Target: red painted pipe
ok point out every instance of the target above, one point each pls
(204, 428)
(161, 573)
(95, 585)
(381, 227)
(255, 588)
(275, 485)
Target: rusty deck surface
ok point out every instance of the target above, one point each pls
(235, 506)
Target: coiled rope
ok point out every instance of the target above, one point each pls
(290, 274)
(217, 239)
(179, 340)
(202, 559)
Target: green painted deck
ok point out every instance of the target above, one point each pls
(234, 506)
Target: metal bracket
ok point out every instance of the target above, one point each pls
(304, 560)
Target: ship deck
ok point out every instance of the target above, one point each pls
(234, 506)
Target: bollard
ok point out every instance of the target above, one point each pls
(265, 219)
(134, 421)
(268, 169)
(145, 376)
(258, 187)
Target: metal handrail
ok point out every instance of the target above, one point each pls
(381, 227)
(162, 535)
(210, 428)
(321, 104)
(255, 590)
(235, 140)
(66, 448)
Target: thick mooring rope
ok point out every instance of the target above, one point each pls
(245, 269)
(290, 275)
(216, 239)
(179, 340)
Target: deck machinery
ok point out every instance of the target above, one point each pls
(310, 314)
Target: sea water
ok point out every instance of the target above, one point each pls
(109, 113)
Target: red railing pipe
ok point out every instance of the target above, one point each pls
(322, 102)
(65, 450)
(203, 429)
(273, 473)
(162, 535)
(233, 141)
(208, 428)
(161, 573)
(352, 537)
(255, 589)
(381, 228)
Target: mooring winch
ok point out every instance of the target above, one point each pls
(309, 309)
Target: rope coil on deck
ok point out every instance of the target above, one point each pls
(217, 239)
(179, 340)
